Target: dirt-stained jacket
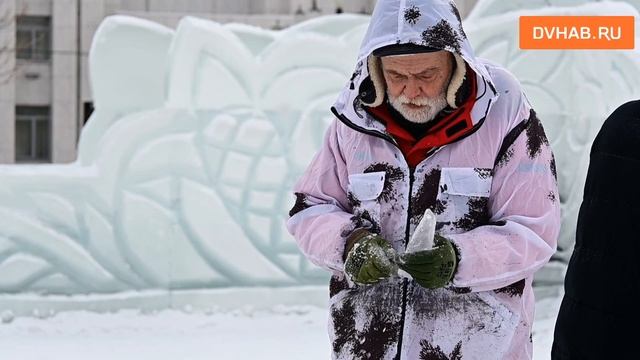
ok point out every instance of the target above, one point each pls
(494, 193)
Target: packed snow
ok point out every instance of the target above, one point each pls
(281, 332)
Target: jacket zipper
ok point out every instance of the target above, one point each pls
(357, 128)
(405, 281)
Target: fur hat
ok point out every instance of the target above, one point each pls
(373, 90)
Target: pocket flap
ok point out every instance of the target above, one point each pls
(466, 181)
(367, 186)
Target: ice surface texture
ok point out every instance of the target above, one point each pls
(185, 168)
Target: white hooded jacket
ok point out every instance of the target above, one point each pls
(494, 193)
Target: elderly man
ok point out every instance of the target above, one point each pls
(425, 125)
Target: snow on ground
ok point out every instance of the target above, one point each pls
(283, 332)
(546, 313)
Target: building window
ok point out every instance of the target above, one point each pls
(33, 38)
(33, 134)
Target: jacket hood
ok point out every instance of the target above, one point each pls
(432, 23)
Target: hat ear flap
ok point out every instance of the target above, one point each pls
(455, 91)
(373, 89)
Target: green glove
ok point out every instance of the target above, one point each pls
(433, 268)
(369, 259)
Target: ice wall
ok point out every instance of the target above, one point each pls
(185, 168)
(489, 8)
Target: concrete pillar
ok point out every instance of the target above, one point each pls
(7, 80)
(64, 80)
(277, 7)
(233, 7)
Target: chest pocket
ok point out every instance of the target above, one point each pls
(463, 194)
(364, 197)
(367, 186)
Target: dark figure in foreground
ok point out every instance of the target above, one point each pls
(598, 317)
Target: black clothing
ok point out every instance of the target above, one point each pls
(599, 317)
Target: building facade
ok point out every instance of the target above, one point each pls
(45, 97)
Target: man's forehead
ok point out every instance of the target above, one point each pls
(425, 60)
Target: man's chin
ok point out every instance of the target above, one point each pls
(419, 117)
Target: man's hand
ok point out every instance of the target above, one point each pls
(369, 259)
(433, 268)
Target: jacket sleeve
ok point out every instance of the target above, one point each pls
(525, 214)
(320, 220)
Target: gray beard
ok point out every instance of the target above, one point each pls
(423, 115)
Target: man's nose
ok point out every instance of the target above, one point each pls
(412, 89)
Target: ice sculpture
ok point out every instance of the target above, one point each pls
(185, 169)
(184, 172)
(489, 8)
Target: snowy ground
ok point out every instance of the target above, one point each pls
(280, 333)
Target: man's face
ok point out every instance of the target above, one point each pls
(417, 83)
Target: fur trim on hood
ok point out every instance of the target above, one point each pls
(425, 24)
(379, 86)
